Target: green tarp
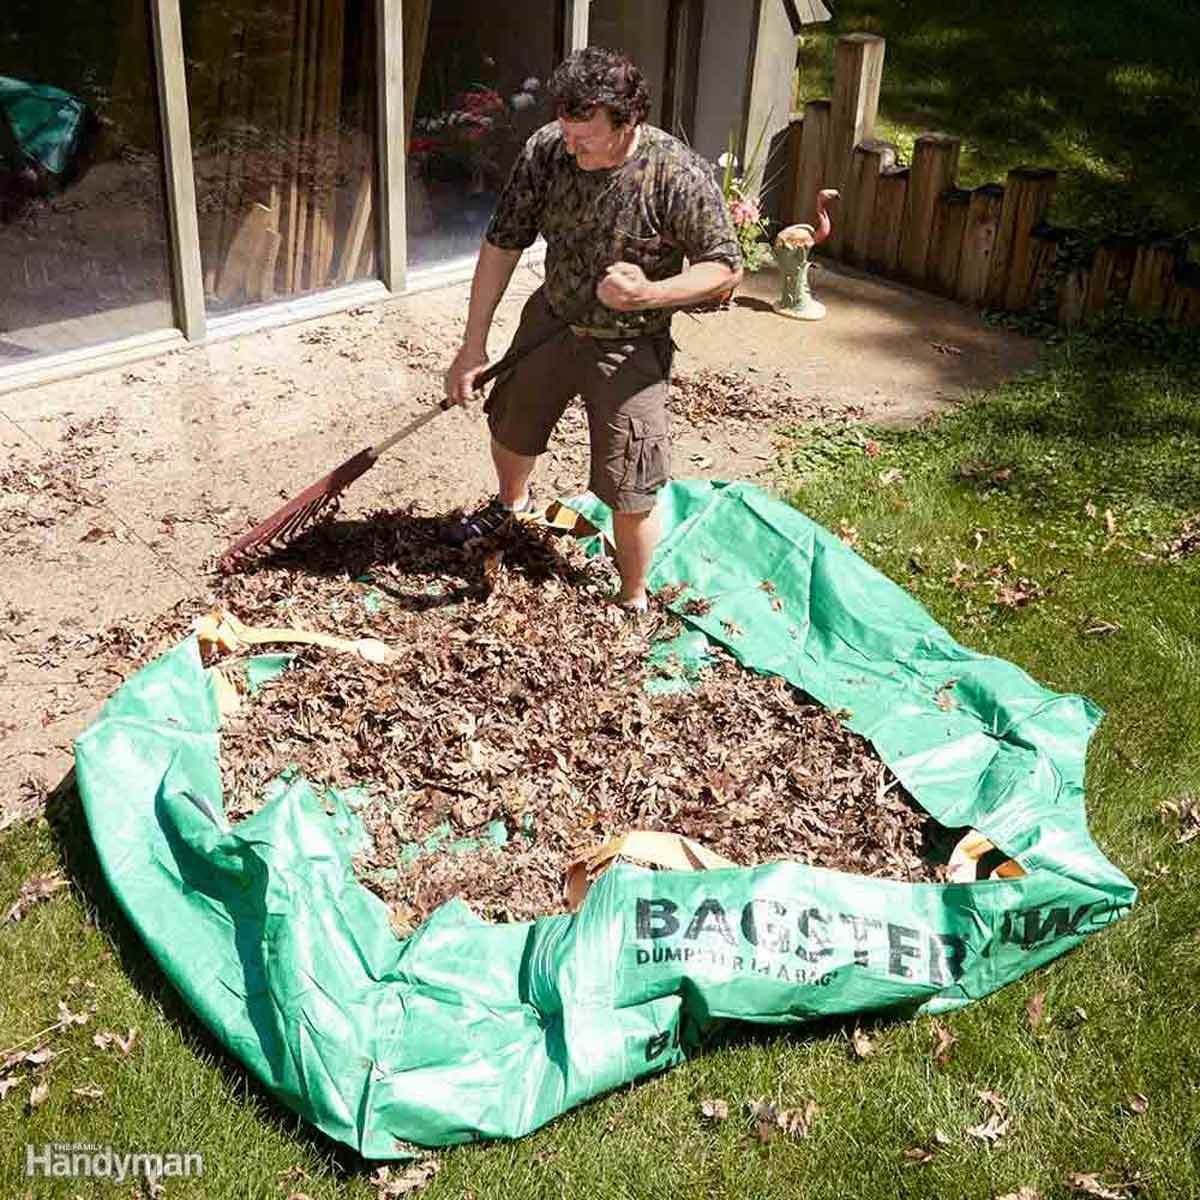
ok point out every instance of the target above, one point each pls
(45, 122)
(467, 1030)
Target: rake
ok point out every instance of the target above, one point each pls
(301, 511)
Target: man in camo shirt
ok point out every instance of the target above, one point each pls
(621, 204)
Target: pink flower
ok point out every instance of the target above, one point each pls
(744, 212)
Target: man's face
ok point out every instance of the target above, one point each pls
(596, 143)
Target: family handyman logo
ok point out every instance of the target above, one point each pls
(75, 1160)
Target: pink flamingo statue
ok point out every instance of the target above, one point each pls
(792, 247)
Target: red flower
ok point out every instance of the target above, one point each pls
(479, 102)
(421, 145)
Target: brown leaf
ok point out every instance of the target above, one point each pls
(90, 1091)
(67, 1018)
(38, 1094)
(102, 1041)
(861, 1046)
(1090, 1184)
(98, 533)
(1035, 1010)
(411, 1178)
(33, 891)
(714, 1110)
(918, 1156)
(943, 1043)
(796, 1122)
(1137, 1104)
(765, 1117)
(872, 448)
(945, 701)
(991, 1130)
(1110, 522)
(1025, 1193)
(891, 475)
(993, 1100)
(7, 1083)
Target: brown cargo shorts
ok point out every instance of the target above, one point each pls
(623, 382)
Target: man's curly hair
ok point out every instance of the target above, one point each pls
(597, 78)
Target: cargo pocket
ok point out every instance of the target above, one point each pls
(648, 455)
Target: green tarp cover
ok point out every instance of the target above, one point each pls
(467, 1030)
(45, 121)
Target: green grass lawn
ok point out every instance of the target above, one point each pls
(1036, 525)
(1106, 91)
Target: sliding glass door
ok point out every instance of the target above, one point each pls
(83, 229)
(475, 84)
(282, 100)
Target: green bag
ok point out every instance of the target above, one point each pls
(467, 1030)
(41, 126)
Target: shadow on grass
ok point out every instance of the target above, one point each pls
(1107, 97)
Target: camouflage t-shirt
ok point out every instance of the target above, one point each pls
(661, 204)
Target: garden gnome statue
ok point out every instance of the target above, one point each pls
(792, 246)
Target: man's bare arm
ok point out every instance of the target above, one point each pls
(493, 270)
(626, 288)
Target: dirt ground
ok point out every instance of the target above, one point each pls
(175, 455)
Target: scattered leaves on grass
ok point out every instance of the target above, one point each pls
(943, 1043)
(919, 1156)
(861, 1046)
(1186, 814)
(106, 1039)
(1024, 1193)
(1091, 1184)
(89, 1091)
(768, 1119)
(1137, 1104)
(8, 1083)
(38, 1094)
(871, 448)
(34, 890)
(996, 1125)
(989, 1131)
(847, 532)
(392, 1182)
(1035, 1010)
(714, 1110)
(67, 1018)
(890, 476)
(1186, 542)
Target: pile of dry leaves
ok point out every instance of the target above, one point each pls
(710, 396)
(515, 717)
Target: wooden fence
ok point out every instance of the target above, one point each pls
(989, 246)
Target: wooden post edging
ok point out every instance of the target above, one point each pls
(989, 247)
(934, 169)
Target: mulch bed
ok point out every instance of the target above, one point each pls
(516, 710)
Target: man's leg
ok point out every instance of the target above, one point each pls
(636, 535)
(625, 389)
(512, 475)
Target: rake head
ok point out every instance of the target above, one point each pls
(299, 513)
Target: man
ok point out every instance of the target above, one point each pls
(620, 204)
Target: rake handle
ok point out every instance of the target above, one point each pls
(481, 380)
